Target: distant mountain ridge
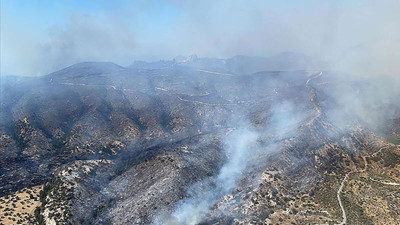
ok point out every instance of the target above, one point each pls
(240, 64)
(87, 68)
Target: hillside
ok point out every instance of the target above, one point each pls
(200, 141)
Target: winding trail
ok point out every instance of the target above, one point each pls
(92, 85)
(229, 102)
(386, 183)
(314, 98)
(213, 72)
(344, 216)
(313, 77)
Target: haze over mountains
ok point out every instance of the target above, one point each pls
(194, 140)
(289, 114)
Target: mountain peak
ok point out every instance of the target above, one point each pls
(87, 68)
(184, 59)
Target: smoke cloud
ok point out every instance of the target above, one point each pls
(240, 144)
(359, 37)
(81, 39)
(242, 148)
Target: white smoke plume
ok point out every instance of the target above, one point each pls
(361, 37)
(242, 146)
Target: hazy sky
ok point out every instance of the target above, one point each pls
(40, 36)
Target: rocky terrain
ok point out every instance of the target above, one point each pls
(199, 141)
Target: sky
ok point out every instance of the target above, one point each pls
(41, 36)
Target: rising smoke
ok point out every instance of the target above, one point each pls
(240, 144)
(242, 148)
(358, 36)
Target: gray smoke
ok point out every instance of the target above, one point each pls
(369, 100)
(240, 144)
(242, 148)
(361, 37)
